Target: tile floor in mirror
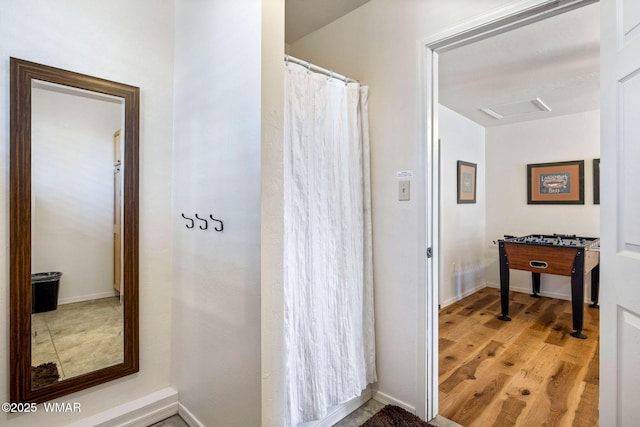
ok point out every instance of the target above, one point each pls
(80, 337)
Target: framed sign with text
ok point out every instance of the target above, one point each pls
(556, 183)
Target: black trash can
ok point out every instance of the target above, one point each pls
(44, 291)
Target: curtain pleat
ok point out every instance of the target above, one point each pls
(328, 273)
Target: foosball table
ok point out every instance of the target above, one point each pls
(564, 255)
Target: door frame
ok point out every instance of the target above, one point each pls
(495, 22)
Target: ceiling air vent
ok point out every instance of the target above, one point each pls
(502, 111)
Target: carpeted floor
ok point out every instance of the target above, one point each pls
(394, 416)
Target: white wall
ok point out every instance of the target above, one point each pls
(72, 191)
(462, 226)
(128, 42)
(509, 149)
(216, 304)
(378, 44)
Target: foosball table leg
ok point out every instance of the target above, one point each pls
(535, 284)
(595, 286)
(504, 283)
(579, 335)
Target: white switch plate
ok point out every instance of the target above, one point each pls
(403, 191)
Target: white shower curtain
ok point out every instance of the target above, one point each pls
(328, 278)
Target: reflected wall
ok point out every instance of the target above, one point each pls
(73, 190)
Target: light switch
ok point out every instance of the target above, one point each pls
(403, 191)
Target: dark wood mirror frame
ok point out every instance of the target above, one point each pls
(22, 74)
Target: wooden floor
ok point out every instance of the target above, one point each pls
(527, 372)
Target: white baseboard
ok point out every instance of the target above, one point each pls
(163, 404)
(388, 400)
(527, 290)
(465, 294)
(141, 412)
(338, 412)
(71, 300)
(188, 417)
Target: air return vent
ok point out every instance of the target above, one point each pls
(502, 111)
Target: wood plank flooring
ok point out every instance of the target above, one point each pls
(527, 372)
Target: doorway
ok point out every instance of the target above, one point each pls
(117, 212)
(479, 29)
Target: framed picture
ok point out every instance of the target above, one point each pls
(556, 183)
(466, 182)
(596, 181)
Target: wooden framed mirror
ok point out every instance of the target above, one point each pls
(73, 231)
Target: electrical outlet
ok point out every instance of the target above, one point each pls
(403, 191)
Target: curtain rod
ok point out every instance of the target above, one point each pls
(315, 68)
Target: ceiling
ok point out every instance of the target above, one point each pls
(556, 60)
(303, 17)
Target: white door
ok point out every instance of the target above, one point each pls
(620, 214)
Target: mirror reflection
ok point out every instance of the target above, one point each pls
(76, 228)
